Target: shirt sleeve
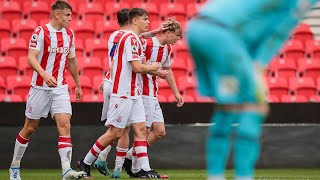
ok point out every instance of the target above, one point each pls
(37, 38)
(132, 49)
(72, 52)
(167, 62)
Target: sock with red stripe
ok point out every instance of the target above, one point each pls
(19, 149)
(65, 152)
(141, 149)
(120, 155)
(104, 154)
(135, 164)
(129, 153)
(93, 153)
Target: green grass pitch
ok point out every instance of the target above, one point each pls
(261, 174)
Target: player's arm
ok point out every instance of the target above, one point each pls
(154, 32)
(73, 68)
(172, 83)
(139, 67)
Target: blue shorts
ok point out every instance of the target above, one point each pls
(229, 36)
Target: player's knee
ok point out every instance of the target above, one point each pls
(250, 131)
(29, 130)
(160, 133)
(65, 125)
(141, 132)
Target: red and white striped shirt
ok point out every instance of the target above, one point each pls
(125, 82)
(55, 47)
(155, 52)
(112, 47)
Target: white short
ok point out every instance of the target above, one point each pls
(40, 102)
(124, 112)
(106, 99)
(153, 111)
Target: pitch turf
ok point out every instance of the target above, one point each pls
(261, 174)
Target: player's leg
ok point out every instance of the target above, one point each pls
(158, 126)
(122, 148)
(101, 162)
(140, 144)
(38, 105)
(61, 112)
(118, 115)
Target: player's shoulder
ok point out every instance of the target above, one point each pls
(69, 30)
(38, 29)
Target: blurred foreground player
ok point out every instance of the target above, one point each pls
(231, 42)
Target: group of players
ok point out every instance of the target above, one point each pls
(137, 59)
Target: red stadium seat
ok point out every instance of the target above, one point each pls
(8, 66)
(5, 28)
(315, 99)
(23, 28)
(97, 80)
(14, 47)
(91, 11)
(97, 47)
(10, 98)
(313, 48)
(19, 85)
(162, 98)
(90, 66)
(151, 8)
(179, 70)
(294, 99)
(155, 24)
(36, 10)
(193, 9)
(83, 29)
(10, 10)
(105, 28)
(164, 88)
(159, 1)
(185, 2)
(281, 67)
(294, 49)
(80, 50)
(278, 86)
(86, 84)
(309, 68)
(273, 99)
(302, 86)
(3, 87)
(93, 98)
(181, 49)
(173, 9)
(303, 33)
(188, 85)
(24, 67)
(113, 7)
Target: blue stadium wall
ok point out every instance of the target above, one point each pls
(290, 138)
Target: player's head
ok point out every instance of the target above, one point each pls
(61, 12)
(123, 17)
(139, 19)
(174, 31)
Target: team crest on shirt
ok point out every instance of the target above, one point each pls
(116, 106)
(30, 109)
(119, 119)
(134, 48)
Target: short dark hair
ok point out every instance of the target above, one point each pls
(61, 4)
(123, 16)
(134, 12)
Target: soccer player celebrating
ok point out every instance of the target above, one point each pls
(51, 48)
(126, 106)
(230, 41)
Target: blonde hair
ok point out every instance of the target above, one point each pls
(174, 26)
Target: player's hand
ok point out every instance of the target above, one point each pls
(180, 99)
(154, 66)
(50, 80)
(164, 26)
(163, 74)
(78, 91)
(101, 87)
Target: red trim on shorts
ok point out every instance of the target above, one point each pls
(124, 97)
(21, 139)
(45, 55)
